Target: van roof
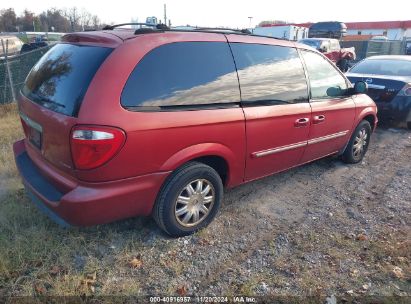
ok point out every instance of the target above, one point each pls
(115, 37)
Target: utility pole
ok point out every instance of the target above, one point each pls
(251, 18)
(165, 14)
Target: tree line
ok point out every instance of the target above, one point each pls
(52, 20)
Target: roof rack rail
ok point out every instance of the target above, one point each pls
(222, 29)
(147, 28)
(154, 26)
(153, 29)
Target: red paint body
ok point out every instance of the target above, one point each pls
(344, 53)
(128, 184)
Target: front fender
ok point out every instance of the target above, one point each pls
(365, 106)
(367, 112)
(234, 162)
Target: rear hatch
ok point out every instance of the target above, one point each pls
(380, 88)
(52, 96)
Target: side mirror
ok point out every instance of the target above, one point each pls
(334, 91)
(360, 87)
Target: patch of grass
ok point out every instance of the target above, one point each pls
(8, 109)
(249, 287)
(10, 131)
(36, 255)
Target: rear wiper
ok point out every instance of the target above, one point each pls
(47, 100)
(55, 103)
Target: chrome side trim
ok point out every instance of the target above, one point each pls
(279, 149)
(327, 137)
(376, 86)
(299, 144)
(30, 122)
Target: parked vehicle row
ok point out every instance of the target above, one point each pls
(327, 29)
(120, 123)
(12, 45)
(342, 57)
(389, 82)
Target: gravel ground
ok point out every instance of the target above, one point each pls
(322, 229)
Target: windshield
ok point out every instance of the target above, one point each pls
(313, 43)
(383, 67)
(61, 77)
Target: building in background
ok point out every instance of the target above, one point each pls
(393, 30)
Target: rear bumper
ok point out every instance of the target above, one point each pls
(397, 111)
(87, 204)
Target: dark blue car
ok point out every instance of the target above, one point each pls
(389, 85)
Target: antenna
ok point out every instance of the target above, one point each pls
(165, 13)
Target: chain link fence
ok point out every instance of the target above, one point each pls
(13, 76)
(368, 48)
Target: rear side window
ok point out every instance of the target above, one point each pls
(383, 67)
(270, 74)
(183, 74)
(60, 79)
(325, 80)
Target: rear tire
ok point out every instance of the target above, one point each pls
(358, 144)
(189, 200)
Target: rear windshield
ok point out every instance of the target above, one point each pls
(383, 67)
(313, 43)
(61, 77)
(331, 26)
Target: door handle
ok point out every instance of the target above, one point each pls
(301, 122)
(318, 119)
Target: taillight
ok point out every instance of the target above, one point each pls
(406, 90)
(93, 146)
(25, 127)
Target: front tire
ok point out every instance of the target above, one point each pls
(358, 144)
(189, 200)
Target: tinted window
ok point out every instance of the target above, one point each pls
(185, 73)
(269, 74)
(314, 43)
(383, 67)
(325, 80)
(61, 77)
(331, 26)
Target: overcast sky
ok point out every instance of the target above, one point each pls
(229, 13)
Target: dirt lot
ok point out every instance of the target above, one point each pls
(323, 229)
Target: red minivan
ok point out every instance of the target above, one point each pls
(120, 122)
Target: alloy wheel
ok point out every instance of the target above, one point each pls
(360, 143)
(194, 202)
